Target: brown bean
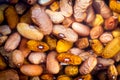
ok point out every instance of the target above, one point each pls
(52, 64)
(3, 39)
(66, 33)
(17, 58)
(75, 51)
(66, 7)
(111, 23)
(11, 16)
(29, 31)
(56, 17)
(41, 19)
(23, 47)
(20, 8)
(68, 21)
(105, 62)
(82, 43)
(88, 65)
(81, 29)
(26, 18)
(31, 70)
(96, 32)
(9, 75)
(12, 42)
(106, 37)
(90, 15)
(85, 55)
(8, 56)
(37, 57)
(101, 7)
(80, 9)
(5, 30)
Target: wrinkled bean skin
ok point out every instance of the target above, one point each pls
(85, 55)
(41, 19)
(111, 23)
(106, 37)
(90, 15)
(79, 10)
(97, 46)
(82, 43)
(56, 17)
(88, 65)
(66, 7)
(69, 58)
(102, 8)
(96, 31)
(12, 42)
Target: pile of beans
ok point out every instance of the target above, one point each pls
(59, 40)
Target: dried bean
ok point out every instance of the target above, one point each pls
(37, 57)
(66, 33)
(12, 42)
(52, 64)
(63, 46)
(66, 7)
(56, 17)
(31, 70)
(106, 37)
(101, 8)
(96, 31)
(17, 58)
(29, 31)
(82, 43)
(9, 74)
(81, 29)
(88, 65)
(112, 72)
(5, 30)
(69, 58)
(40, 18)
(3, 39)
